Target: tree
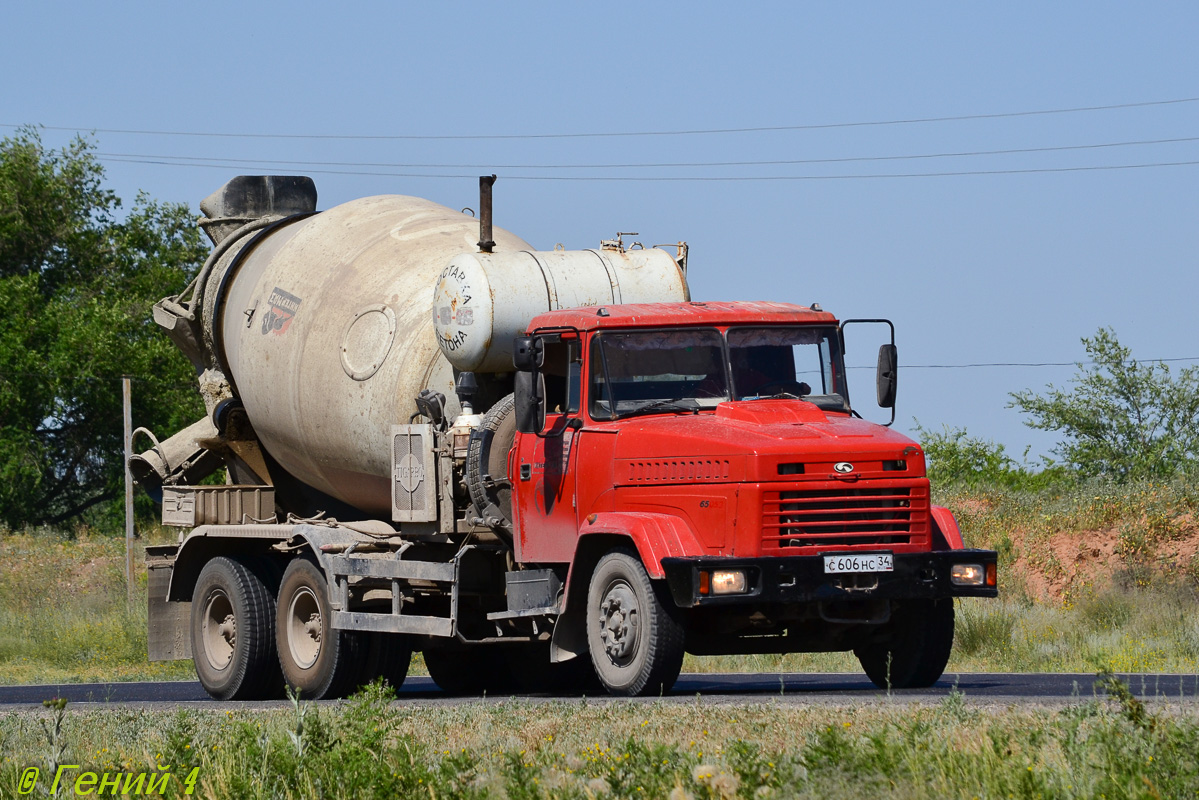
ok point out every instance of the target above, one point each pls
(1123, 419)
(955, 458)
(76, 286)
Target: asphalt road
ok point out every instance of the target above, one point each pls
(827, 688)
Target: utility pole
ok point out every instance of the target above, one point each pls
(127, 398)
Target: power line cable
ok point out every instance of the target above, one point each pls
(1034, 364)
(693, 178)
(611, 134)
(187, 160)
(58, 376)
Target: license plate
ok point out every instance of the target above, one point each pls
(868, 562)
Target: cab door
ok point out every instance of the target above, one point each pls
(544, 467)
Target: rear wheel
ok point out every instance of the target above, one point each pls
(502, 669)
(482, 669)
(386, 656)
(633, 631)
(318, 660)
(576, 676)
(916, 648)
(232, 645)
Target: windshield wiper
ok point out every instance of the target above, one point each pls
(670, 404)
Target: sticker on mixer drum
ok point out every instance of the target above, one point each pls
(282, 308)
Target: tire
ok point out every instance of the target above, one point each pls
(386, 656)
(634, 632)
(232, 646)
(576, 676)
(916, 649)
(482, 669)
(507, 669)
(487, 466)
(318, 660)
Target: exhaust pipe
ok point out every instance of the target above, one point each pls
(486, 244)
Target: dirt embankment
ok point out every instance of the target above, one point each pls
(1131, 552)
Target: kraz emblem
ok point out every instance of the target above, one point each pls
(844, 467)
(282, 309)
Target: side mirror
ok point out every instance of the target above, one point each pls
(530, 402)
(528, 353)
(888, 368)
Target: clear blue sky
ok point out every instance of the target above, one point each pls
(981, 268)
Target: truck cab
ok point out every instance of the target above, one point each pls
(712, 453)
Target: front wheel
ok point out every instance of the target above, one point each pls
(916, 647)
(634, 634)
(318, 660)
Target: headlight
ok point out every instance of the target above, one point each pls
(728, 581)
(968, 574)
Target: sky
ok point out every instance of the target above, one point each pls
(885, 196)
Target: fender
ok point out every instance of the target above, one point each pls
(209, 541)
(946, 534)
(656, 536)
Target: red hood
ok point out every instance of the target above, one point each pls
(775, 431)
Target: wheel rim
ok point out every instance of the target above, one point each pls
(620, 623)
(219, 630)
(304, 628)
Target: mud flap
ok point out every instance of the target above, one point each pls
(169, 635)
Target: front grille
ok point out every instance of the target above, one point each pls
(838, 516)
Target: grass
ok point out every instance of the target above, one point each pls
(64, 616)
(364, 748)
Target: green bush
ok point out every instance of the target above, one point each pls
(956, 459)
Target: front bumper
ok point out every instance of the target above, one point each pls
(802, 579)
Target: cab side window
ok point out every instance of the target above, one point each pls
(562, 371)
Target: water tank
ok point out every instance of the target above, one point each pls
(484, 300)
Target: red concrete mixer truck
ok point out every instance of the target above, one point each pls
(543, 470)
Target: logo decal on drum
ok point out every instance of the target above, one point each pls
(282, 309)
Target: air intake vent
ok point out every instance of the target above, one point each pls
(678, 470)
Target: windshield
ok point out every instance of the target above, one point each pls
(657, 371)
(787, 361)
(686, 370)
